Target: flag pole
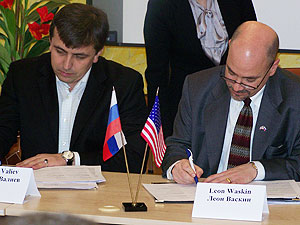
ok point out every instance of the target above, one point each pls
(133, 206)
(115, 135)
(140, 176)
(141, 173)
(127, 168)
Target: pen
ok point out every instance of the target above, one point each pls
(284, 199)
(190, 156)
(163, 201)
(166, 182)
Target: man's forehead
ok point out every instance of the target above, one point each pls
(86, 50)
(58, 43)
(242, 74)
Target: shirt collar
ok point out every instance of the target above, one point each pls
(83, 80)
(255, 99)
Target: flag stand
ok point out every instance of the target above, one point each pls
(111, 143)
(134, 206)
(153, 135)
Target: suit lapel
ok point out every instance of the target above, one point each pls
(188, 25)
(216, 115)
(93, 91)
(48, 93)
(215, 124)
(268, 118)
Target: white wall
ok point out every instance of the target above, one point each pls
(133, 20)
(284, 17)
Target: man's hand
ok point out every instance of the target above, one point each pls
(183, 173)
(242, 174)
(43, 160)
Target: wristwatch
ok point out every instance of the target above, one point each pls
(68, 156)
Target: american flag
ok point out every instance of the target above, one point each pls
(153, 134)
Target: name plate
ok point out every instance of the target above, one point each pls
(16, 183)
(230, 201)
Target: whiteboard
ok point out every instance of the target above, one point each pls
(134, 12)
(284, 17)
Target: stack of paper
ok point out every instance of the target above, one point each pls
(278, 191)
(74, 177)
(281, 191)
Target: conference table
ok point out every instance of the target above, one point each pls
(104, 205)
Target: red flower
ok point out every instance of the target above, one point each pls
(37, 30)
(44, 15)
(7, 3)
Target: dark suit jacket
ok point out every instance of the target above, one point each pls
(174, 51)
(202, 117)
(29, 103)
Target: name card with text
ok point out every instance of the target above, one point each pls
(16, 183)
(230, 201)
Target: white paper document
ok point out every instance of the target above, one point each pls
(73, 177)
(68, 185)
(284, 191)
(280, 188)
(172, 192)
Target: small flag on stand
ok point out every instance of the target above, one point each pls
(153, 134)
(114, 138)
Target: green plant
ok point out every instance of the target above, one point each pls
(24, 29)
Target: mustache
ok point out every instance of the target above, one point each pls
(239, 92)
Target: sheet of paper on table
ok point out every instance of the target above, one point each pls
(283, 191)
(164, 193)
(71, 177)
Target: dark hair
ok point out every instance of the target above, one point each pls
(46, 219)
(273, 49)
(81, 25)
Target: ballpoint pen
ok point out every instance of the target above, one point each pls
(190, 156)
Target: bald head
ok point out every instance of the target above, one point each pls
(251, 59)
(256, 39)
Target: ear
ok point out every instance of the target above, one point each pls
(274, 67)
(96, 57)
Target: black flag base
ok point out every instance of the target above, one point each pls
(137, 207)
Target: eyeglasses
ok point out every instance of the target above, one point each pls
(247, 86)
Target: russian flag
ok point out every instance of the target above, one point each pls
(114, 134)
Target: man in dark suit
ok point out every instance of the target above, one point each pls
(210, 107)
(60, 101)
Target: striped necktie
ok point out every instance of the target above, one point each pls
(240, 145)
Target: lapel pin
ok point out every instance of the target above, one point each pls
(263, 128)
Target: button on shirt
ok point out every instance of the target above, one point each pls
(68, 102)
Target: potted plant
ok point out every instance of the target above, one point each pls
(24, 29)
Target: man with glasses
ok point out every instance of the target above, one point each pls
(242, 120)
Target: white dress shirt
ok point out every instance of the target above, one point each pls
(68, 102)
(234, 111)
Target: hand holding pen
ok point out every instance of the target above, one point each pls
(190, 158)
